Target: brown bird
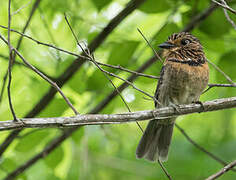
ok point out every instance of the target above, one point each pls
(183, 78)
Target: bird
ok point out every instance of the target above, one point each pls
(183, 77)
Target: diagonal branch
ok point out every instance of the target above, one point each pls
(222, 171)
(43, 76)
(213, 156)
(58, 140)
(74, 67)
(225, 6)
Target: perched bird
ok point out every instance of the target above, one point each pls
(183, 78)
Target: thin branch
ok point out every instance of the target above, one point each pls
(99, 119)
(227, 15)
(22, 7)
(225, 6)
(164, 170)
(43, 76)
(49, 96)
(222, 72)
(222, 171)
(10, 62)
(154, 51)
(91, 57)
(20, 40)
(3, 85)
(68, 73)
(218, 85)
(211, 155)
(80, 56)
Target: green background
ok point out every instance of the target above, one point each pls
(108, 152)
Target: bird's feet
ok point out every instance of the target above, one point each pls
(201, 104)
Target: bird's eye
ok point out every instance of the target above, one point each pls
(185, 41)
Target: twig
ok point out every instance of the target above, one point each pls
(43, 76)
(10, 62)
(20, 40)
(100, 119)
(80, 56)
(225, 6)
(154, 51)
(218, 85)
(222, 171)
(67, 74)
(164, 170)
(227, 15)
(3, 85)
(211, 155)
(49, 96)
(91, 57)
(22, 7)
(222, 72)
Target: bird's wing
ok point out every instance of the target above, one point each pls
(160, 81)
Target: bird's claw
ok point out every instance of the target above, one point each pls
(201, 104)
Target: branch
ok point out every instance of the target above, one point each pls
(48, 97)
(11, 60)
(227, 16)
(222, 171)
(53, 84)
(99, 119)
(76, 55)
(68, 73)
(213, 156)
(225, 6)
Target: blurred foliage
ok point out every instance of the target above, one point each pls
(108, 152)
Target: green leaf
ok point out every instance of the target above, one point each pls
(216, 25)
(55, 157)
(122, 52)
(55, 109)
(100, 3)
(78, 135)
(31, 140)
(94, 84)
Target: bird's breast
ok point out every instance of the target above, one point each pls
(182, 83)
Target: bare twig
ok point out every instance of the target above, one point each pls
(164, 170)
(48, 96)
(10, 62)
(154, 51)
(227, 15)
(20, 40)
(222, 171)
(91, 57)
(77, 55)
(3, 85)
(99, 119)
(22, 7)
(225, 6)
(211, 155)
(218, 85)
(67, 74)
(43, 76)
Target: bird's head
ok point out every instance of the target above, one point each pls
(183, 46)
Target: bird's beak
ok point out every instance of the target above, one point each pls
(166, 45)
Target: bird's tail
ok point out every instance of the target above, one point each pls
(156, 140)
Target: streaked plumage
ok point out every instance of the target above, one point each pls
(183, 78)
